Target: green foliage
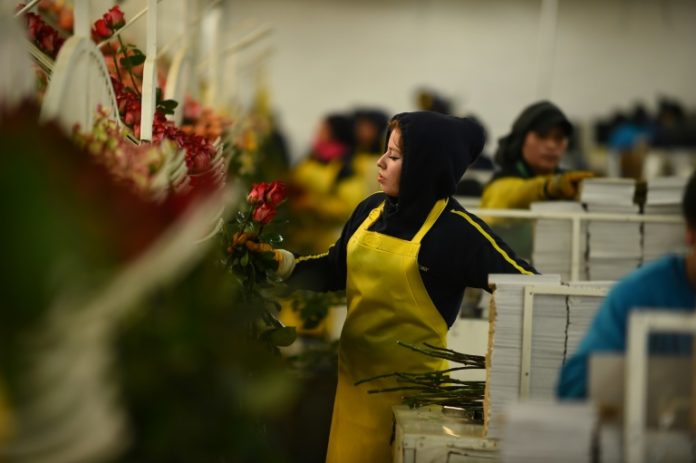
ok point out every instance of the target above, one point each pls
(133, 60)
(197, 383)
(313, 306)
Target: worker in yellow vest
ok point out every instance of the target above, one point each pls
(324, 187)
(404, 258)
(528, 169)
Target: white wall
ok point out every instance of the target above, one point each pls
(332, 54)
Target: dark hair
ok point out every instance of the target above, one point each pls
(539, 117)
(341, 127)
(378, 120)
(689, 201)
(394, 124)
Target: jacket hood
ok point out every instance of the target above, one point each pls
(538, 117)
(437, 149)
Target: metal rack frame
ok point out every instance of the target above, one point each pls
(576, 218)
(641, 325)
(528, 317)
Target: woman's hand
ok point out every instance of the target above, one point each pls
(566, 185)
(285, 259)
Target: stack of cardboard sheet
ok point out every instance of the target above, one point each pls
(538, 432)
(552, 240)
(664, 197)
(559, 320)
(613, 248)
(504, 343)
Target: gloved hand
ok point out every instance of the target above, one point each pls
(565, 185)
(285, 259)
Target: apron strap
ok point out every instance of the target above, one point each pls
(435, 212)
(371, 217)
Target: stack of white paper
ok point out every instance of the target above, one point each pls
(549, 322)
(505, 341)
(581, 312)
(558, 322)
(664, 197)
(614, 248)
(538, 432)
(552, 240)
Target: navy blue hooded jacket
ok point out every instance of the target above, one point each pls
(460, 250)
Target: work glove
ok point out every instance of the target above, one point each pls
(565, 185)
(285, 259)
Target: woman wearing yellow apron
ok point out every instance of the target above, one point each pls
(404, 258)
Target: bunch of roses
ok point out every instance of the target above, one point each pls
(265, 199)
(59, 12)
(46, 38)
(49, 41)
(199, 150)
(130, 164)
(203, 121)
(109, 23)
(249, 244)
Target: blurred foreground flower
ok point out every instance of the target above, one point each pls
(121, 338)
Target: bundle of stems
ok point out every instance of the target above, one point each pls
(438, 387)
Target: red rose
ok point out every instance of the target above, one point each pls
(114, 18)
(276, 193)
(34, 25)
(264, 213)
(257, 193)
(101, 31)
(48, 44)
(201, 163)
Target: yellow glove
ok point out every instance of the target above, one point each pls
(565, 185)
(246, 239)
(285, 259)
(239, 238)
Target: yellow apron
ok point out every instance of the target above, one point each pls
(387, 301)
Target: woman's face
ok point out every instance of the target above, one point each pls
(543, 152)
(390, 165)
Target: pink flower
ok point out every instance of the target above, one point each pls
(101, 31)
(114, 18)
(257, 193)
(276, 193)
(264, 213)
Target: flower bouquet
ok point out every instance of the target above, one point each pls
(250, 242)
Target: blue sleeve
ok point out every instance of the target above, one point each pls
(606, 334)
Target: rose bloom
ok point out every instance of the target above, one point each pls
(200, 162)
(264, 213)
(276, 193)
(101, 30)
(257, 193)
(115, 18)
